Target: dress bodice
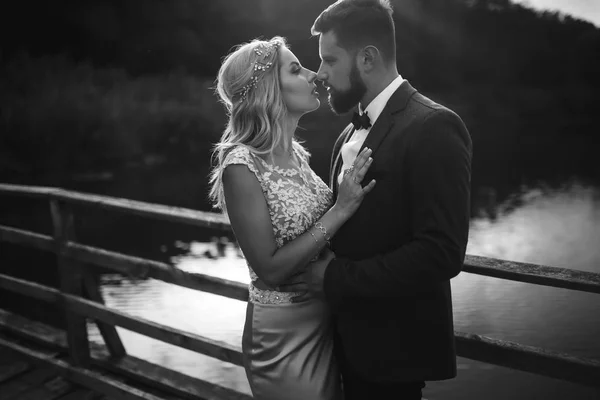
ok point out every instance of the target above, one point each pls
(296, 199)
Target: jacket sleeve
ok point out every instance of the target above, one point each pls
(439, 173)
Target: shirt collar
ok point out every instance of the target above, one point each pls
(378, 104)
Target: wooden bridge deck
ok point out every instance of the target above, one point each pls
(118, 378)
(32, 371)
(20, 379)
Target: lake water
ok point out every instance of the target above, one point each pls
(557, 227)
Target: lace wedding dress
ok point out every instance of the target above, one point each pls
(288, 347)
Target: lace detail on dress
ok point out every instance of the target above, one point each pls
(241, 155)
(296, 200)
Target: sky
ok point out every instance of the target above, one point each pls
(584, 9)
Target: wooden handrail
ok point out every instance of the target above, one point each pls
(516, 271)
(138, 370)
(531, 273)
(140, 208)
(83, 376)
(131, 207)
(27, 191)
(134, 267)
(539, 361)
(508, 354)
(34, 240)
(476, 347)
(143, 268)
(140, 268)
(212, 348)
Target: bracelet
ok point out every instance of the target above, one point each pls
(314, 237)
(323, 230)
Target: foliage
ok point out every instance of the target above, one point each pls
(135, 87)
(66, 116)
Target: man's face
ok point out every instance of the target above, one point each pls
(339, 74)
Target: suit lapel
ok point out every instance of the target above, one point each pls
(378, 132)
(386, 119)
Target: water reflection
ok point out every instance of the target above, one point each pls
(205, 314)
(553, 227)
(558, 227)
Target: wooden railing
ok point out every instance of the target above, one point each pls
(79, 297)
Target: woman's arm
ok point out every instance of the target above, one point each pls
(251, 222)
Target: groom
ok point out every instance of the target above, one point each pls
(389, 283)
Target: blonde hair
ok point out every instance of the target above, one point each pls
(258, 119)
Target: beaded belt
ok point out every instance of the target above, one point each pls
(270, 296)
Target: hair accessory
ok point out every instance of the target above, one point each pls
(263, 52)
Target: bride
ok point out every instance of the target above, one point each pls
(282, 216)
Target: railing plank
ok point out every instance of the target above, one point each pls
(220, 350)
(522, 272)
(38, 332)
(508, 354)
(212, 348)
(94, 380)
(30, 289)
(142, 268)
(148, 373)
(26, 191)
(138, 267)
(531, 273)
(133, 207)
(26, 238)
(528, 359)
(166, 379)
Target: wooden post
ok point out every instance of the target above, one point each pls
(109, 332)
(70, 281)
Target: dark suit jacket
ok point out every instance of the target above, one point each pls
(389, 286)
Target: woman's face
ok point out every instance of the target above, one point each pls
(297, 84)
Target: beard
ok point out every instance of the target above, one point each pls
(343, 101)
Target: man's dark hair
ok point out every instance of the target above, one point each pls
(358, 23)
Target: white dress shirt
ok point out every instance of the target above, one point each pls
(351, 148)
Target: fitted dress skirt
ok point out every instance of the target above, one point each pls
(288, 351)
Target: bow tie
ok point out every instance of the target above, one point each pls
(361, 121)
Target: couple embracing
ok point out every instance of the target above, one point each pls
(350, 283)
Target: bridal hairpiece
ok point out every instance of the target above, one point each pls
(263, 52)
